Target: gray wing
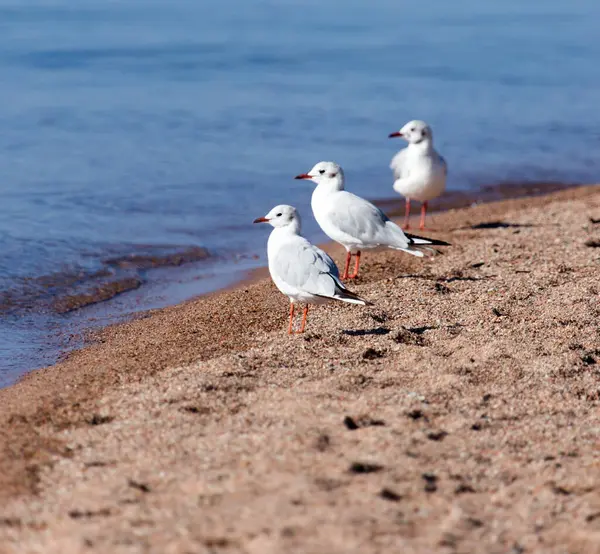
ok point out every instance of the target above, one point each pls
(398, 166)
(306, 267)
(360, 219)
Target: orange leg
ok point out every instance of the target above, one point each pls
(347, 266)
(423, 212)
(304, 316)
(356, 265)
(407, 214)
(291, 325)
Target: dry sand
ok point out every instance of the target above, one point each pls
(460, 414)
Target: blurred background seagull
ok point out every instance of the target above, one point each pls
(419, 171)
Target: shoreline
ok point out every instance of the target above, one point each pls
(94, 306)
(222, 366)
(249, 277)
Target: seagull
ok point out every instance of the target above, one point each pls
(299, 269)
(419, 171)
(354, 222)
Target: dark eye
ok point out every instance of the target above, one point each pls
(413, 130)
(321, 171)
(279, 214)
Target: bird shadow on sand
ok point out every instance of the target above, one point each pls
(387, 331)
(502, 225)
(421, 330)
(446, 279)
(365, 332)
(496, 225)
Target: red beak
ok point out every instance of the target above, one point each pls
(303, 176)
(396, 134)
(260, 220)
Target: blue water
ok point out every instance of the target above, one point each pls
(173, 122)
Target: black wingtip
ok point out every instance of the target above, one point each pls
(355, 296)
(431, 242)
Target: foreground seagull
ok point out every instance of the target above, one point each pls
(419, 171)
(299, 269)
(354, 222)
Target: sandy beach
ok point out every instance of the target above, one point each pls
(460, 413)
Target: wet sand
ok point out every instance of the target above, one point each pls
(459, 414)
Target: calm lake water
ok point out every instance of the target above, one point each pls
(133, 126)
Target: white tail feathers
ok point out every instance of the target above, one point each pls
(352, 300)
(399, 241)
(414, 252)
(411, 244)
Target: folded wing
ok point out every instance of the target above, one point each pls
(364, 221)
(307, 268)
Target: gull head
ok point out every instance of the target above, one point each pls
(281, 216)
(327, 173)
(414, 132)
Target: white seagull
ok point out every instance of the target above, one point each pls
(353, 221)
(299, 269)
(419, 171)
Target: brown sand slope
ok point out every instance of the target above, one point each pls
(460, 414)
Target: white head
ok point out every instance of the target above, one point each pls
(415, 132)
(282, 216)
(325, 173)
